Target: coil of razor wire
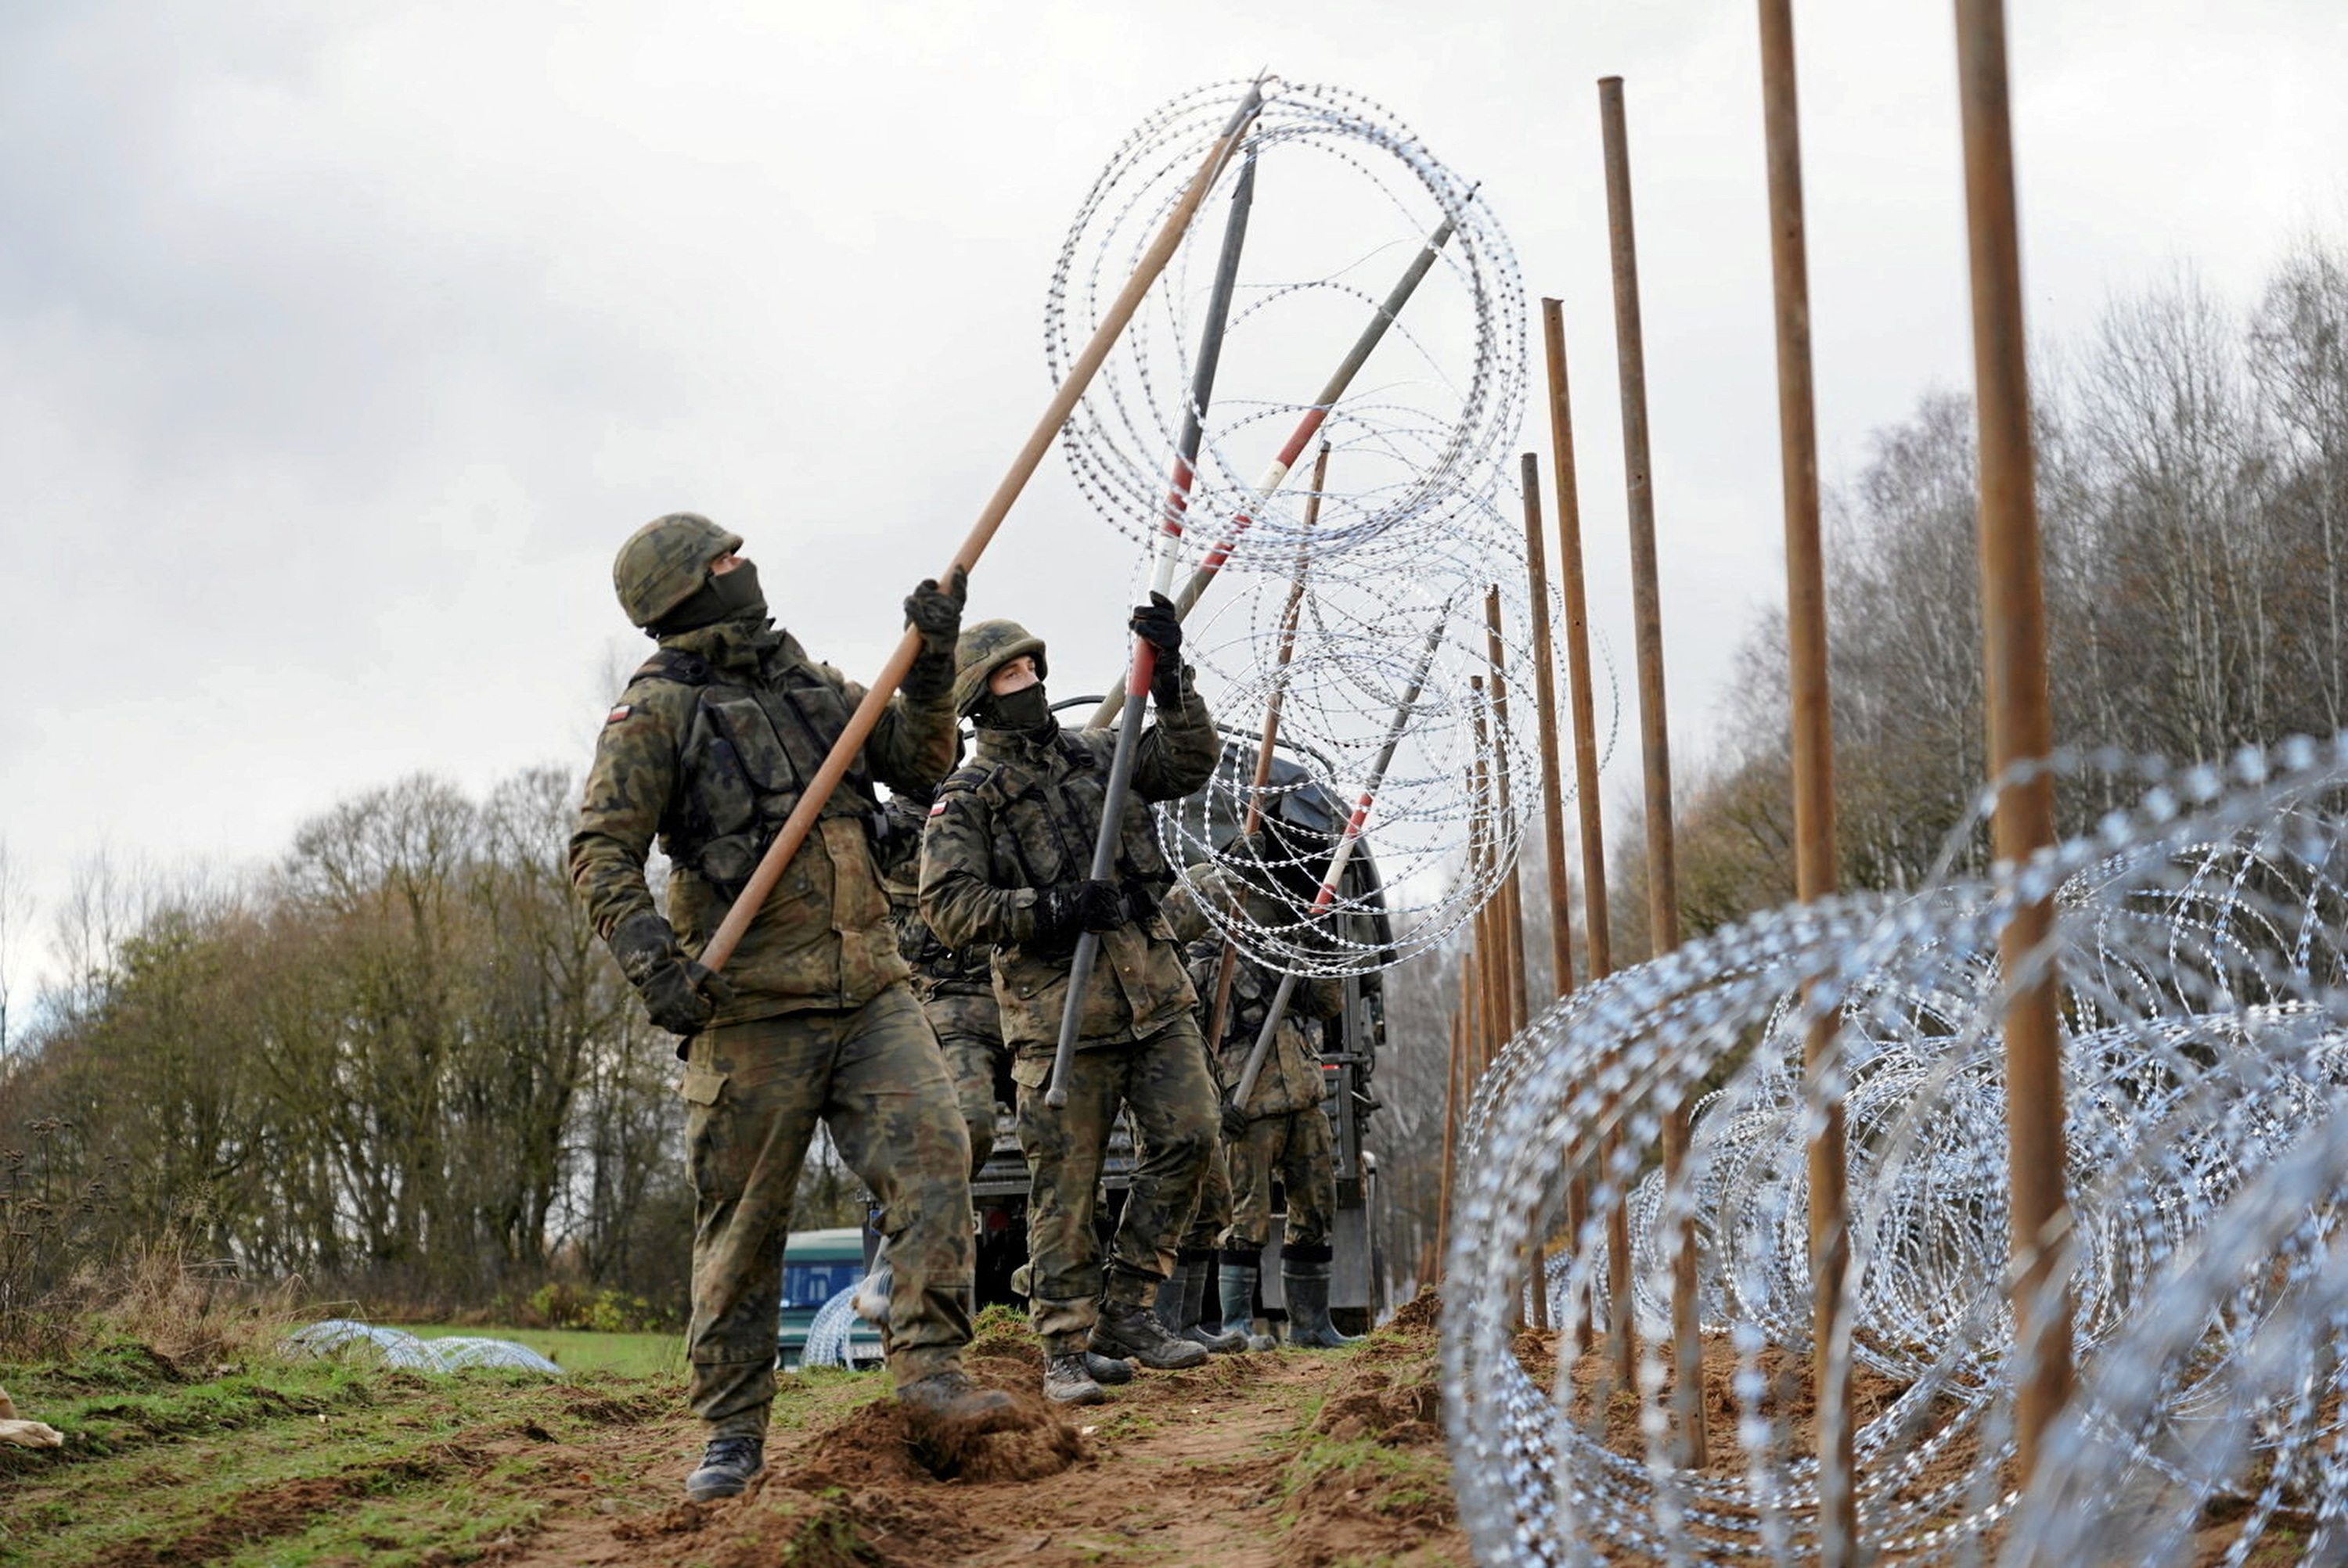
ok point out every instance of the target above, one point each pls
(2199, 948)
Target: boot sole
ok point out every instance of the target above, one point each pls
(711, 1494)
(1091, 1394)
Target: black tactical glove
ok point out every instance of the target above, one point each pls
(1235, 1121)
(1157, 624)
(680, 996)
(895, 830)
(936, 612)
(1064, 908)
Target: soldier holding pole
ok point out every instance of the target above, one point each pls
(1004, 862)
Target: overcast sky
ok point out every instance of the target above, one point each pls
(340, 344)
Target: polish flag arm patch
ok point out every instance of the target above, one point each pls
(939, 809)
(618, 713)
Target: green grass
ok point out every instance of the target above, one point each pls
(580, 1350)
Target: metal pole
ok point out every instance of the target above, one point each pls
(1307, 426)
(1815, 871)
(1663, 871)
(1144, 655)
(1621, 1330)
(1347, 841)
(1227, 969)
(852, 737)
(2021, 724)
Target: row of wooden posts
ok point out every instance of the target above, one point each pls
(1493, 1005)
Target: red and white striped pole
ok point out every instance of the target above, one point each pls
(1344, 852)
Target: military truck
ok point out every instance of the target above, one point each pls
(1349, 1054)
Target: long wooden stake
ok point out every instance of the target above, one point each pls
(1815, 870)
(1512, 898)
(1553, 787)
(2020, 722)
(1622, 1331)
(1452, 1107)
(1662, 870)
(844, 751)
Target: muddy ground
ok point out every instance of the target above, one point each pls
(1291, 1458)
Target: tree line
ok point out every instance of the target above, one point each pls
(2193, 501)
(396, 1064)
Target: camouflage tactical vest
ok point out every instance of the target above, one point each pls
(746, 756)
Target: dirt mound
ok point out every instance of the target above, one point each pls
(1379, 1490)
(1419, 1315)
(877, 1443)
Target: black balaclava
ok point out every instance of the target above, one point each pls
(722, 596)
(1027, 710)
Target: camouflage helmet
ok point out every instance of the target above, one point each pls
(665, 562)
(984, 648)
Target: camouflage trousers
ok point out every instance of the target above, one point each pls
(1296, 1147)
(754, 1092)
(1162, 1079)
(1213, 1213)
(970, 1033)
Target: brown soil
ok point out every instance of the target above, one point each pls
(1226, 1463)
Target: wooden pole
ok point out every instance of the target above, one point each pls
(1815, 870)
(2020, 722)
(1452, 1109)
(1513, 911)
(1663, 871)
(1512, 898)
(1574, 585)
(844, 751)
(1561, 894)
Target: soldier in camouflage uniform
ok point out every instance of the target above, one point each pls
(1281, 1131)
(955, 986)
(709, 747)
(1007, 862)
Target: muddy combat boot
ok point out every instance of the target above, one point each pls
(1107, 1369)
(1128, 1330)
(949, 1402)
(1238, 1289)
(1192, 1324)
(726, 1466)
(1068, 1380)
(1305, 1276)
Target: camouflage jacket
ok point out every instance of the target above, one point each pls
(1022, 817)
(1291, 1079)
(708, 747)
(938, 970)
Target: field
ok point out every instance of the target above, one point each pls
(1292, 1457)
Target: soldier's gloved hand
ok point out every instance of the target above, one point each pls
(1064, 908)
(1235, 1121)
(684, 997)
(680, 995)
(936, 612)
(1157, 624)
